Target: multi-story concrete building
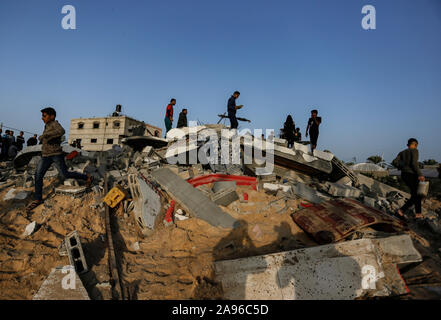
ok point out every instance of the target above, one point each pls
(100, 134)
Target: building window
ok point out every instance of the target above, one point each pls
(116, 124)
(80, 125)
(93, 140)
(109, 141)
(96, 125)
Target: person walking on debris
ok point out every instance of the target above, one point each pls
(407, 162)
(20, 141)
(297, 135)
(232, 108)
(313, 129)
(52, 152)
(182, 121)
(288, 131)
(32, 141)
(169, 116)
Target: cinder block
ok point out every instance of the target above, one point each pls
(75, 252)
(225, 197)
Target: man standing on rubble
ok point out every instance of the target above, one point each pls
(182, 121)
(313, 128)
(169, 116)
(51, 152)
(20, 141)
(407, 162)
(232, 108)
(32, 141)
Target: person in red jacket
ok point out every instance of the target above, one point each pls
(169, 116)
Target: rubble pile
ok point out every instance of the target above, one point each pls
(208, 230)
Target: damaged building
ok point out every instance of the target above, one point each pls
(100, 134)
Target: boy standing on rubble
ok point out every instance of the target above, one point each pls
(51, 152)
(169, 116)
(407, 162)
(313, 128)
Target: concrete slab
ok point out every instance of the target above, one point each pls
(343, 271)
(307, 193)
(340, 190)
(192, 200)
(147, 203)
(58, 286)
(380, 188)
(74, 191)
(328, 156)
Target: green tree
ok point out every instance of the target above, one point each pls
(375, 159)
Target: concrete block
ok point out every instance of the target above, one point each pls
(225, 197)
(276, 187)
(339, 190)
(323, 155)
(71, 191)
(223, 185)
(301, 147)
(75, 252)
(62, 283)
(307, 193)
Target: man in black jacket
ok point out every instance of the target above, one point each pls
(32, 141)
(411, 175)
(20, 141)
(182, 121)
(232, 108)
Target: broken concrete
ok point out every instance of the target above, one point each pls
(147, 203)
(62, 283)
(342, 271)
(340, 190)
(192, 200)
(305, 192)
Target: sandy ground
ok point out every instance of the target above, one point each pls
(175, 262)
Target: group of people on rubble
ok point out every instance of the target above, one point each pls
(293, 134)
(406, 161)
(288, 132)
(11, 145)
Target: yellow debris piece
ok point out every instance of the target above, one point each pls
(114, 196)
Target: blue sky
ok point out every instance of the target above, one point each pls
(374, 89)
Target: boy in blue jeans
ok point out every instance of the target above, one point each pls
(51, 152)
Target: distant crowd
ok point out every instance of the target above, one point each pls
(11, 145)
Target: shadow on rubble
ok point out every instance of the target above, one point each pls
(130, 288)
(238, 244)
(94, 252)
